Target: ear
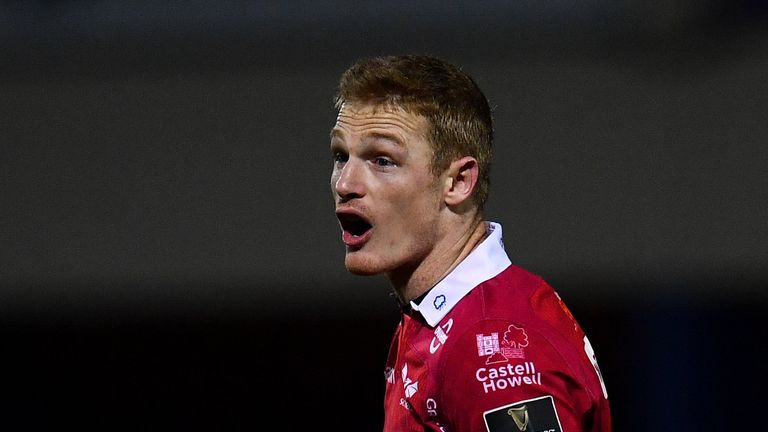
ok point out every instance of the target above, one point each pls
(460, 181)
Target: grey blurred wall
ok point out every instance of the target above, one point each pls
(188, 142)
(171, 160)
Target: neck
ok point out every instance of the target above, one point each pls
(410, 283)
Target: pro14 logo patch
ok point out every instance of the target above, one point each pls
(532, 415)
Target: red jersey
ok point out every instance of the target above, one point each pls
(492, 348)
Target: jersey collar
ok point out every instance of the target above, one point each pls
(485, 262)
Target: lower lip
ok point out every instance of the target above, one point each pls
(356, 241)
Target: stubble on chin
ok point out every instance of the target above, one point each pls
(361, 265)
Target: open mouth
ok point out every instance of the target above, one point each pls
(356, 229)
(353, 224)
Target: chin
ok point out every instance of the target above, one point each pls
(362, 265)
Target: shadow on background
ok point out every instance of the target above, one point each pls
(226, 365)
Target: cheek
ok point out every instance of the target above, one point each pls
(416, 211)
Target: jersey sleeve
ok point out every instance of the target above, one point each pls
(503, 376)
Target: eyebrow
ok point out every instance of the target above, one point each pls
(387, 137)
(394, 139)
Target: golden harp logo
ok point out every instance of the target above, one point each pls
(520, 417)
(530, 415)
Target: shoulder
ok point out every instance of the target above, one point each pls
(513, 339)
(497, 362)
(519, 295)
(507, 294)
(526, 301)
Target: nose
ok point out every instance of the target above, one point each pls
(347, 181)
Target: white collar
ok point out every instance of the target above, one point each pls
(486, 261)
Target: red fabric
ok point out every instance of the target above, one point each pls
(509, 340)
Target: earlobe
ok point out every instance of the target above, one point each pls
(462, 179)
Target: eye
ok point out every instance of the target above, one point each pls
(340, 158)
(383, 162)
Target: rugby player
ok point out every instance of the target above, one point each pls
(482, 344)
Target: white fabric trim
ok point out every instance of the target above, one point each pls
(485, 262)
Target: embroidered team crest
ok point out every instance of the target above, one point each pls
(510, 346)
(532, 415)
(515, 339)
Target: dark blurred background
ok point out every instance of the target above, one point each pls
(169, 257)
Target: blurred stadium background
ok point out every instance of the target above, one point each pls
(169, 256)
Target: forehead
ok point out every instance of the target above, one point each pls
(361, 118)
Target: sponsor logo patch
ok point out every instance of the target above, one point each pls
(532, 415)
(501, 374)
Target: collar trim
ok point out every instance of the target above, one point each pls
(485, 262)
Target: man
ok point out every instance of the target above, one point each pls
(482, 345)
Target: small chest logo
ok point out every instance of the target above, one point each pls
(409, 386)
(439, 302)
(441, 335)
